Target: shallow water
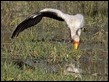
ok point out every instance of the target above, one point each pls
(89, 66)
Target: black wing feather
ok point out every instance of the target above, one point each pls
(31, 21)
(52, 15)
(26, 24)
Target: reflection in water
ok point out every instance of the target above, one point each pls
(93, 65)
(70, 69)
(89, 66)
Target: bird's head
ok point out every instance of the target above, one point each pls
(75, 41)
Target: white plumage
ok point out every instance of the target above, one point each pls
(74, 22)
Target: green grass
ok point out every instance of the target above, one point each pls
(13, 73)
(55, 51)
(93, 42)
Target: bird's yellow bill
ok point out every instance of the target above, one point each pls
(76, 44)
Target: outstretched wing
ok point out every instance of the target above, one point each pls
(34, 19)
(30, 21)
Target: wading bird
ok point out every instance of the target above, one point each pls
(74, 22)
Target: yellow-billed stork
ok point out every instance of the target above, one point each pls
(74, 22)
